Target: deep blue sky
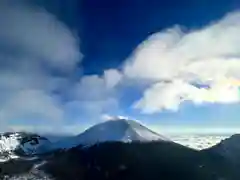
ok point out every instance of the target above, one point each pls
(110, 30)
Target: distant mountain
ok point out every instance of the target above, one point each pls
(14, 144)
(121, 130)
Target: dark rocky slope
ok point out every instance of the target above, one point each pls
(142, 161)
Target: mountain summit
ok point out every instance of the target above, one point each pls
(122, 130)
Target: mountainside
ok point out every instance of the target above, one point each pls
(229, 149)
(116, 160)
(17, 144)
(111, 156)
(113, 130)
(142, 159)
(13, 145)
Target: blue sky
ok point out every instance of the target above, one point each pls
(66, 65)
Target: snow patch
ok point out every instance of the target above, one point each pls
(21, 143)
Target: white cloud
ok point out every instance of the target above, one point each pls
(96, 87)
(165, 96)
(151, 59)
(108, 117)
(112, 77)
(94, 95)
(31, 103)
(90, 87)
(39, 34)
(210, 55)
(172, 53)
(161, 96)
(35, 44)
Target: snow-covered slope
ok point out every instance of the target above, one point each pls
(113, 130)
(19, 143)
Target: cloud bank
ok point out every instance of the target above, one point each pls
(175, 59)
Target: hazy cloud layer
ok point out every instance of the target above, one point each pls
(175, 60)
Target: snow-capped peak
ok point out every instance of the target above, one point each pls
(122, 130)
